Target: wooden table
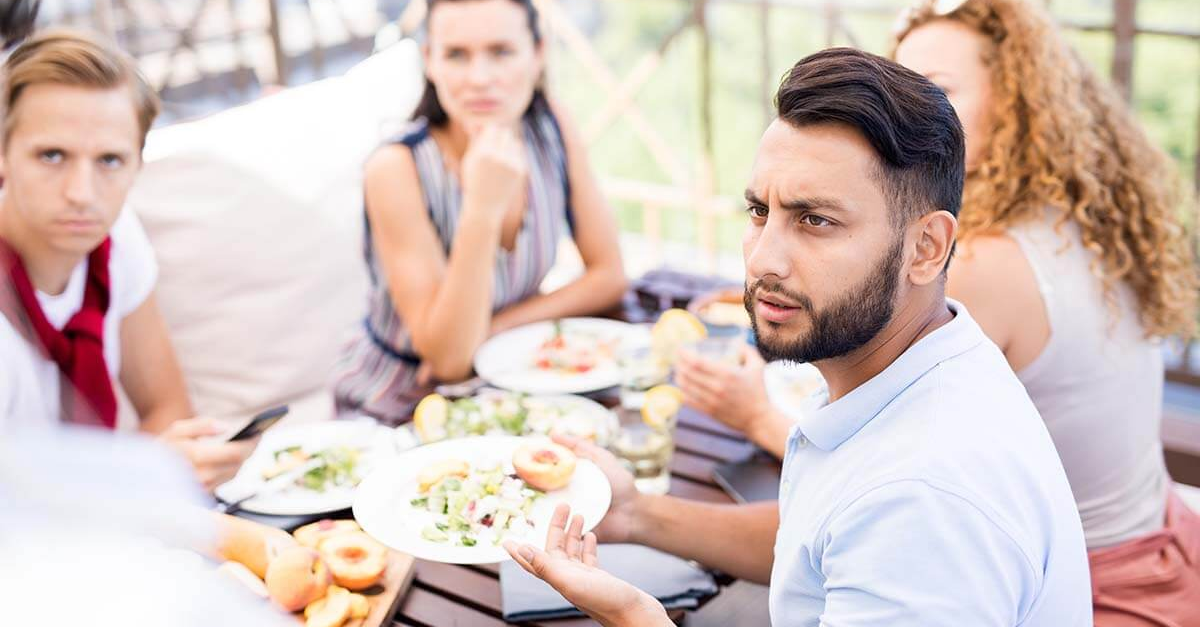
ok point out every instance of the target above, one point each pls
(447, 594)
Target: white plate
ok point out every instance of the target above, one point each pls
(603, 422)
(596, 419)
(376, 441)
(793, 388)
(506, 360)
(382, 506)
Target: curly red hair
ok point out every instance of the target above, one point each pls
(1062, 138)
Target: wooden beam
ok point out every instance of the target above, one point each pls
(1196, 162)
(1124, 33)
(275, 31)
(829, 12)
(412, 17)
(706, 181)
(1101, 26)
(578, 44)
(102, 18)
(767, 78)
(317, 52)
(621, 99)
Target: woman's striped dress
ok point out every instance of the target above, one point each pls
(377, 372)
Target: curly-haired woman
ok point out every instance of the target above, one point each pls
(1072, 259)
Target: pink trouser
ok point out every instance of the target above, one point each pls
(1153, 581)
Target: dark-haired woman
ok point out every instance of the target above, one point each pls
(465, 211)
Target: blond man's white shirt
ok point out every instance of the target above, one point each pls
(29, 382)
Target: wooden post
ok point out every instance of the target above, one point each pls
(768, 81)
(706, 182)
(317, 52)
(1124, 33)
(132, 28)
(1196, 159)
(275, 30)
(412, 16)
(102, 17)
(831, 23)
(652, 227)
(238, 43)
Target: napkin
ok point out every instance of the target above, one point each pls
(677, 583)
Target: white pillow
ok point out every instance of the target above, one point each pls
(1190, 495)
(256, 217)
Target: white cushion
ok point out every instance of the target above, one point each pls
(1190, 496)
(256, 217)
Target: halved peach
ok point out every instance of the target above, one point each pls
(356, 561)
(310, 535)
(545, 466)
(330, 611)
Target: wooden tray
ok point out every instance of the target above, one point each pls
(385, 596)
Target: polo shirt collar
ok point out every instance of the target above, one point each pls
(832, 424)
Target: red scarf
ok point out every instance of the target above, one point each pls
(85, 390)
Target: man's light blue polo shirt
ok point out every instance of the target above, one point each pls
(930, 495)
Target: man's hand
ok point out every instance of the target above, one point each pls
(620, 522)
(733, 394)
(569, 565)
(215, 461)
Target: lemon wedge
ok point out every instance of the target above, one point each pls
(430, 416)
(660, 406)
(675, 328)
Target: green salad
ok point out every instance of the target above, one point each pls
(337, 466)
(504, 413)
(487, 506)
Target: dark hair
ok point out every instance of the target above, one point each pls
(906, 118)
(430, 108)
(17, 20)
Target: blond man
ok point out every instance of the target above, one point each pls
(77, 273)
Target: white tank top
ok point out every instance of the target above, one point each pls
(1098, 385)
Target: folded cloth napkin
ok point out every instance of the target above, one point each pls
(675, 582)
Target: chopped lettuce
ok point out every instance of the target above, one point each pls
(488, 505)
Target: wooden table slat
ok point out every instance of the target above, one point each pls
(712, 446)
(494, 569)
(480, 589)
(453, 580)
(430, 608)
(683, 488)
(694, 467)
(704, 422)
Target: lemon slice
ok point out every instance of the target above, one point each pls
(675, 327)
(430, 416)
(661, 404)
(435, 472)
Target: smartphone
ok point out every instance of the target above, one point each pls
(750, 480)
(260, 423)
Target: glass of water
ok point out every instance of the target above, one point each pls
(641, 369)
(725, 349)
(644, 447)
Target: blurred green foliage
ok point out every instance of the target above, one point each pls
(1166, 89)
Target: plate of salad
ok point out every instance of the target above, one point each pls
(567, 356)
(457, 501)
(337, 454)
(497, 412)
